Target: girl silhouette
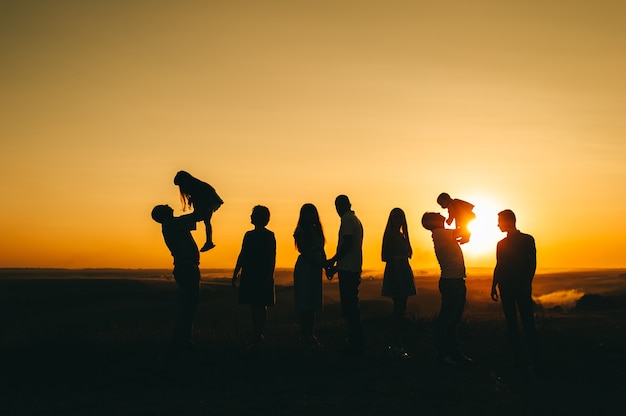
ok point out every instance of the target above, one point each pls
(307, 274)
(398, 280)
(200, 196)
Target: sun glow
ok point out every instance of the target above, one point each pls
(484, 229)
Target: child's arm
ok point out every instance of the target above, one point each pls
(451, 214)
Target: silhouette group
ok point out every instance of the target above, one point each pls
(253, 273)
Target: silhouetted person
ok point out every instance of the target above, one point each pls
(255, 266)
(516, 262)
(347, 262)
(451, 286)
(178, 238)
(203, 198)
(307, 274)
(398, 281)
(460, 212)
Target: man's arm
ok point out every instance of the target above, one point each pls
(496, 275)
(273, 251)
(532, 257)
(189, 220)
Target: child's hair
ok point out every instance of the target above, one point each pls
(432, 220)
(186, 183)
(443, 198)
(309, 211)
(160, 213)
(404, 229)
(260, 215)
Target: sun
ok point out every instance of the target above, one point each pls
(484, 229)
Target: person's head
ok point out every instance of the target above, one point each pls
(432, 220)
(397, 222)
(182, 178)
(444, 200)
(506, 220)
(162, 213)
(260, 216)
(308, 215)
(342, 204)
(309, 219)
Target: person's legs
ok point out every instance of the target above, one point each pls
(349, 295)
(457, 296)
(188, 281)
(399, 310)
(527, 316)
(443, 321)
(306, 324)
(509, 307)
(209, 232)
(458, 305)
(307, 337)
(259, 317)
(453, 294)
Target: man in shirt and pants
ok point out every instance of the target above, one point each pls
(452, 289)
(348, 263)
(180, 242)
(516, 262)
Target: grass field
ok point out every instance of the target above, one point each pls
(91, 342)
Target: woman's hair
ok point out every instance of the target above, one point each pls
(392, 228)
(260, 215)
(186, 183)
(309, 220)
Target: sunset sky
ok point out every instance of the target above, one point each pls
(515, 105)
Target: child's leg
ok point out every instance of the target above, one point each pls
(259, 317)
(209, 234)
(465, 235)
(397, 319)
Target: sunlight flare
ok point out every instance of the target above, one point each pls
(484, 229)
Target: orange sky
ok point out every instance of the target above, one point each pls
(280, 103)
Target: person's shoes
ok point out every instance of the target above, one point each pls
(398, 352)
(208, 246)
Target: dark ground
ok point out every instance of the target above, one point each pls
(89, 346)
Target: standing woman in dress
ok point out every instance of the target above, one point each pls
(398, 280)
(255, 266)
(307, 275)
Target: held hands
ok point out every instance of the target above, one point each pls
(330, 268)
(330, 272)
